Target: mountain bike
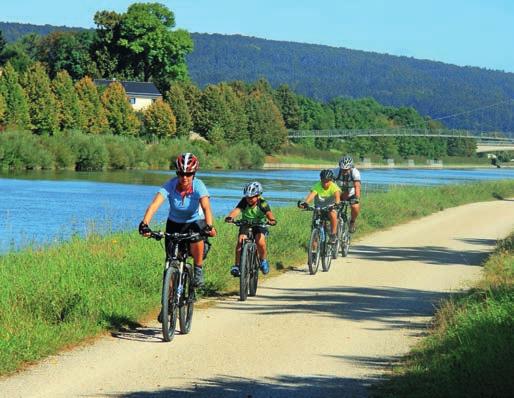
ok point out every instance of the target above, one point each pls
(343, 231)
(249, 262)
(320, 249)
(178, 293)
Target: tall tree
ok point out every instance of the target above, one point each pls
(144, 44)
(193, 97)
(159, 120)
(288, 105)
(67, 51)
(3, 108)
(41, 100)
(175, 97)
(17, 109)
(68, 108)
(2, 42)
(122, 118)
(265, 124)
(94, 120)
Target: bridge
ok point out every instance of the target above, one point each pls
(486, 141)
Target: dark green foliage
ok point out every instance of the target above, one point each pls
(323, 73)
(69, 51)
(12, 31)
(140, 45)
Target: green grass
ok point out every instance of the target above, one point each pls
(58, 296)
(470, 351)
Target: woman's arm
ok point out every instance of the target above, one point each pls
(205, 203)
(157, 201)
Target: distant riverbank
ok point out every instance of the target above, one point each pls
(377, 166)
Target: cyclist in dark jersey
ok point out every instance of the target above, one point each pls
(252, 207)
(348, 178)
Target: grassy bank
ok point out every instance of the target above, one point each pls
(58, 296)
(470, 350)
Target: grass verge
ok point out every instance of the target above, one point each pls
(469, 352)
(58, 296)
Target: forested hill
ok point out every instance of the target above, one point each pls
(322, 72)
(12, 31)
(482, 99)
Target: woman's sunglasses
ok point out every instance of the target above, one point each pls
(182, 174)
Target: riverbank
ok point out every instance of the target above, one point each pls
(363, 166)
(58, 296)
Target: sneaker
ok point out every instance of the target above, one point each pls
(198, 280)
(159, 317)
(333, 239)
(234, 271)
(352, 227)
(264, 266)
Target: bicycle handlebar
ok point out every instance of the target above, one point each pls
(176, 236)
(247, 223)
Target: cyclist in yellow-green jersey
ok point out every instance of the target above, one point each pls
(325, 193)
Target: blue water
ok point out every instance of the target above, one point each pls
(40, 208)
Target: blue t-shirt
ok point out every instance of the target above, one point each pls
(184, 209)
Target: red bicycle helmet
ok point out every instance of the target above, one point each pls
(187, 163)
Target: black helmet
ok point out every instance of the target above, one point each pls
(326, 174)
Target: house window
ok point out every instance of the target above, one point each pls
(132, 100)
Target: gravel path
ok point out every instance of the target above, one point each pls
(327, 335)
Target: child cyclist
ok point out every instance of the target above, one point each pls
(253, 208)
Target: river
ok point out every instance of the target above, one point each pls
(41, 207)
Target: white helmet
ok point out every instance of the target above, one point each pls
(252, 189)
(346, 162)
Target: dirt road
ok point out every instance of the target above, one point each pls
(328, 335)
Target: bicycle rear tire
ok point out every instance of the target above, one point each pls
(345, 241)
(186, 301)
(169, 302)
(313, 257)
(254, 275)
(244, 277)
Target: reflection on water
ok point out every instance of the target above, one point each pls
(42, 206)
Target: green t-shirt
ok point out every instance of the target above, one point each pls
(325, 196)
(254, 213)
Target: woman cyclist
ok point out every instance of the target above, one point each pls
(349, 180)
(325, 192)
(190, 209)
(252, 207)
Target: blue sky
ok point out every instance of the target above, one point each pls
(462, 32)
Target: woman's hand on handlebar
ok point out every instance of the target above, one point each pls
(144, 229)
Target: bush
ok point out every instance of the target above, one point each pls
(22, 150)
(90, 151)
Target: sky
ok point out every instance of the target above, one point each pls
(461, 32)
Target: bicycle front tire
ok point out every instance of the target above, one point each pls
(169, 302)
(326, 252)
(314, 251)
(254, 275)
(186, 301)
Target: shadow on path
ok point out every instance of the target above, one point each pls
(277, 387)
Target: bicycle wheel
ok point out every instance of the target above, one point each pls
(244, 277)
(314, 251)
(345, 240)
(169, 302)
(186, 301)
(337, 246)
(326, 252)
(254, 275)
